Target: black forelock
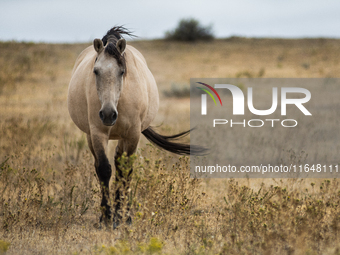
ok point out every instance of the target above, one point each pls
(110, 40)
(112, 50)
(115, 33)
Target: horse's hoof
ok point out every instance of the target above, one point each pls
(104, 220)
(97, 225)
(116, 224)
(129, 221)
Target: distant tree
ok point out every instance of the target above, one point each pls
(190, 30)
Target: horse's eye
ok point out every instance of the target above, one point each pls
(122, 73)
(95, 71)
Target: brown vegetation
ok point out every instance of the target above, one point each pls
(49, 193)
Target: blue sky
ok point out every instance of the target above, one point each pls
(82, 21)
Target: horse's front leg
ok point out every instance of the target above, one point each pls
(97, 144)
(123, 177)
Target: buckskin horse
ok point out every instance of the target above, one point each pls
(113, 96)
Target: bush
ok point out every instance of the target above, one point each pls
(190, 30)
(177, 90)
(4, 246)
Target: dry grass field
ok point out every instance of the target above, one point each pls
(49, 192)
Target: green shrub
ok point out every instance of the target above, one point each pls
(177, 90)
(190, 30)
(4, 246)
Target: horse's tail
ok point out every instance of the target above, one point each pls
(166, 143)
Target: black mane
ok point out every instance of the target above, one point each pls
(112, 50)
(110, 40)
(114, 34)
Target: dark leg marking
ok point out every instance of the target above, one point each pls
(104, 172)
(123, 184)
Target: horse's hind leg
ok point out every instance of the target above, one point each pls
(123, 178)
(97, 145)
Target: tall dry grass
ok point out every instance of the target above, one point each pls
(50, 194)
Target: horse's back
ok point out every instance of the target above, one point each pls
(77, 98)
(136, 53)
(146, 95)
(83, 56)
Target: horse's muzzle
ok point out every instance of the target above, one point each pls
(108, 116)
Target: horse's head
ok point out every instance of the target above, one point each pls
(109, 70)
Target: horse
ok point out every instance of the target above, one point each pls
(113, 95)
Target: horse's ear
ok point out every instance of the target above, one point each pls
(98, 45)
(121, 45)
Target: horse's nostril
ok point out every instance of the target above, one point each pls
(108, 116)
(114, 115)
(101, 115)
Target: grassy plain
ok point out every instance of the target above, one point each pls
(49, 193)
